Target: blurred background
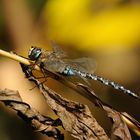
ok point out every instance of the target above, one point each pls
(108, 31)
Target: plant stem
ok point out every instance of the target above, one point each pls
(16, 57)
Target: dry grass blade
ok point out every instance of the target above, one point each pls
(76, 118)
(40, 123)
(132, 123)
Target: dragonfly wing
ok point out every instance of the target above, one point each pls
(59, 53)
(54, 65)
(84, 64)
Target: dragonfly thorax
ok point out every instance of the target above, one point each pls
(34, 53)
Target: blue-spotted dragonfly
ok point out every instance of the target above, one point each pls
(55, 61)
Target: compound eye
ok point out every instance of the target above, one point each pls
(34, 53)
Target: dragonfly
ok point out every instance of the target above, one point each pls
(56, 61)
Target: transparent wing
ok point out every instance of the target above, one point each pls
(83, 64)
(59, 53)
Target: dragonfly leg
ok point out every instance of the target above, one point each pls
(32, 66)
(28, 72)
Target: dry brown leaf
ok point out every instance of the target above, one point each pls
(76, 117)
(119, 127)
(40, 123)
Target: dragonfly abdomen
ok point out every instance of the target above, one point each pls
(107, 82)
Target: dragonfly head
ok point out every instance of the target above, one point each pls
(34, 53)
